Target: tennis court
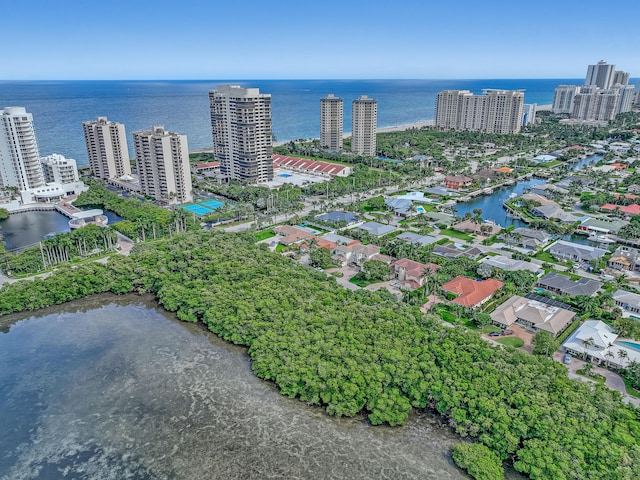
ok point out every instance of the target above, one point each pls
(213, 204)
(197, 209)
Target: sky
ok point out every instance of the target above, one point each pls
(323, 39)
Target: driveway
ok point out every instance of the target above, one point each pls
(612, 379)
(347, 273)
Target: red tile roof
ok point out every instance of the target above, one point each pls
(633, 209)
(208, 164)
(471, 292)
(305, 164)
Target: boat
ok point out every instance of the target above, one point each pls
(600, 239)
(513, 195)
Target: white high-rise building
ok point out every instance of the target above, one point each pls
(364, 123)
(162, 160)
(528, 114)
(58, 169)
(600, 75)
(242, 136)
(626, 95)
(19, 156)
(107, 148)
(495, 111)
(563, 98)
(503, 111)
(621, 78)
(595, 104)
(331, 123)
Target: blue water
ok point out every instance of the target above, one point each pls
(60, 107)
(214, 204)
(634, 346)
(197, 209)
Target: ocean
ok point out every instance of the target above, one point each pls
(60, 107)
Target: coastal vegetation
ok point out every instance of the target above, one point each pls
(363, 352)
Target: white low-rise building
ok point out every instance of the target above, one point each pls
(596, 341)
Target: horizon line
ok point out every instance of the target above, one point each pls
(276, 79)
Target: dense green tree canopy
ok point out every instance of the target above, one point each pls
(364, 352)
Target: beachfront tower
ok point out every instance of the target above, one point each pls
(242, 138)
(563, 98)
(162, 160)
(331, 122)
(621, 78)
(495, 111)
(107, 148)
(364, 120)
(19, 157)
(600, 75)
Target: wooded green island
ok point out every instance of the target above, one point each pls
(365, 352)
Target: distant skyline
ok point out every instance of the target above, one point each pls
(163, 40)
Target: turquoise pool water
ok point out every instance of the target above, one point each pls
(197, 209)
(632, 345)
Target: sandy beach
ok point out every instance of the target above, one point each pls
(394, 128)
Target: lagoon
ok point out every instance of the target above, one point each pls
(21, 230)
(114, 387)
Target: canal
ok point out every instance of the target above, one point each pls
(491, 205)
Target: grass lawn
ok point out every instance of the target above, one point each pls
(280, 248)
(514, 342)
(356, 280)
(545, 257)
(596, 377)
(630, 390)
(551, 164)
(450, 232)
(264, 235)
(490, 328)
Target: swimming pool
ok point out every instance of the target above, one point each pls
(632, 345)
(285, 175)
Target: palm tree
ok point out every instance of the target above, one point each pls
(589, 342)
(623, 355)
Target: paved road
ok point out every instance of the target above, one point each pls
(613, 380)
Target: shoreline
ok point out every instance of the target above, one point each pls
(393, 128)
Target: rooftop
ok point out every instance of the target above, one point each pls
(472, 292)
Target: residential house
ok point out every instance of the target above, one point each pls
(415, 239)
(339, 218)
(292, 234)
(410, 274)
(563, 285)
(598, 342)
(549, 190)
(401, 207)
(528, 238)
(575, 251)
(339, 239)
(629, 303)
(472, 293)
(511, 265)
(554, 213)
(633, 209)
(440, 218)
(457, 181)
(440, 191)
(566, 182)
(485, 175)
(376, 229)
(470, 226)
(600, 226)
(533, 315)
(625, 258)
(455, 250)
